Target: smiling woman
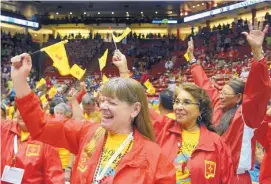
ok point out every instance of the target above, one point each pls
(119, 150)
(191, 142)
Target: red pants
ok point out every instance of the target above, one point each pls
(242, 179)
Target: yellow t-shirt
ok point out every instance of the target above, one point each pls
(171, 116)
(64, 156)
(111, 146)
(24, 135)
(189, 142)
(94, 116)
(11, 112)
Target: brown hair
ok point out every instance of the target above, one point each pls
(202, 97)
(130, 91)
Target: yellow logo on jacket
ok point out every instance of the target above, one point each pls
(210, 167)
(83, 162)
(33, 150)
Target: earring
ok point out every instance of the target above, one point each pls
(199, 118)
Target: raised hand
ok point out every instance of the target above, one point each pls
(21, 66)
(255, 38)
(190, 49)
(120, 61)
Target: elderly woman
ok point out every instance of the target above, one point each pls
(119, 150)
(190, 142)
(239, 108)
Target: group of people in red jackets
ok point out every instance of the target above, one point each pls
(210, 140)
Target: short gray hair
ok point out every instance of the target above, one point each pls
(64, 107)
(88, 99)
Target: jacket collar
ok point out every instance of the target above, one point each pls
(206, 141)
(16, 130)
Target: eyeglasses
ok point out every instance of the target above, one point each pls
(184, 102)
(226, 94)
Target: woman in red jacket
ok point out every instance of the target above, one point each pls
(190, 142)
(119, 150)
(40, 162)
(239, 108)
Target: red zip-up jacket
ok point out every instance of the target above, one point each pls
(144, 163)
(210, 148)
(263, 136)
(248, 116)
(40, 161)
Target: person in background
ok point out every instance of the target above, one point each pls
(239, 108)
(165, 111)
(169, 65)
(63, 111)
(125, 130)
(40, 161)
(90, 110)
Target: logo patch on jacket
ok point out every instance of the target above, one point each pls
(83, 162)
(33, 150)
(210, 167)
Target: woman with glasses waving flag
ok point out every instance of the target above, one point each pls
(240, 107)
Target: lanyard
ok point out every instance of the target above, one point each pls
(15, 148)
(114, 156)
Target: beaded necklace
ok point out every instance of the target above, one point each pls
(95, 180)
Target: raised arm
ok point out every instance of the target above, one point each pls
(66, 134)
(257, 89)
(200, 77)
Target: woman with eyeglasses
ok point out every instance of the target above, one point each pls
(239, 108)
(190, 142)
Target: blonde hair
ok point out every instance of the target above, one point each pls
(130, 91)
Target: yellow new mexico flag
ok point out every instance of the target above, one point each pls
(57, 53)
(43, 99)
(186, 56)
(150, 88)
(40, 83)
(52, 92)
(124, 34)
(77, 72)
(102, 60)
(105, 79)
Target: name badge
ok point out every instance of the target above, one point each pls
(12, 175)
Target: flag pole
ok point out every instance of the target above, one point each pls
(114, 41)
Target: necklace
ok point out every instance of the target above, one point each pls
(99, 175)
